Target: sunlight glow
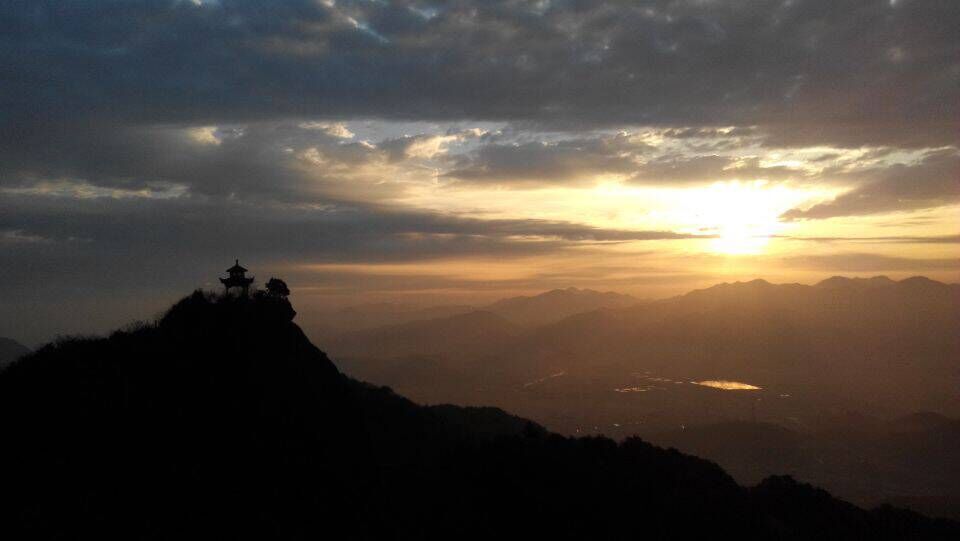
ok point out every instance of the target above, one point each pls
(743, 215)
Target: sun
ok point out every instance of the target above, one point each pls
(740, 239)
(742, 216)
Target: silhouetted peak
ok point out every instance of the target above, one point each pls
(835, 282)
(757, 282)
(11, 350)
(572, 294)
(201, 305)
(843, 282)
(223, 409)
(564, 292)
(557, 304)
(731, 287)
(920, 281)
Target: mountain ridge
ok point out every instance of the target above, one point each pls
(222, 419)
(10, 351)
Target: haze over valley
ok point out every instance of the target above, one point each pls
(467, 269)
(825, 381)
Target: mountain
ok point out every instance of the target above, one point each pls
(381, 314)
(533, 310)
(556, 304)
(459, 334)
(222, 420)
(851, 343)
(456, 348)
(894, 340)
(909, 460)
(837, 357)
(844, 283)
(11, 350)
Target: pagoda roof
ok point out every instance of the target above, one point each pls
(236, 281)
(236, 267)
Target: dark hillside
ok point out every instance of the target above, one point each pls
(11, 350)
(222, 420)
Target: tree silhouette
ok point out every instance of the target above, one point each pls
(277, 288)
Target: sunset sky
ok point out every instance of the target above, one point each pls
(464, 151)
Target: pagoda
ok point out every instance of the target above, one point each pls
(237, 279)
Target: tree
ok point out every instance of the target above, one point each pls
(277, 288)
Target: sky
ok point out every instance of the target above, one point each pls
(461, 151)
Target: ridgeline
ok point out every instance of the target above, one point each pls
(222, 420)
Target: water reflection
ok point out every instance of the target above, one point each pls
(726, 385)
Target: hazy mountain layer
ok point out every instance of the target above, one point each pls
(222, 421)
(795, 356)
(533, 310)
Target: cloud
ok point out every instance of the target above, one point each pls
(845, 73)
(86, 232)
(425, 146)
(156, 139)
(335, 129)
(267, 161)
(541, 162)
(932, 181)
(708, 168)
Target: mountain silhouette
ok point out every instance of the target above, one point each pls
(876, 347)
(455, 348)
(533, 310)
(11, 350)
(222, 420)
(896, 341)
(452, 335)
(331, 323)
(556, 304)
(909, 460)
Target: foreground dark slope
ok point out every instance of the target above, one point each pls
(11, 350)
(223, 420)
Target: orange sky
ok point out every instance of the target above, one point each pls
(458, 151)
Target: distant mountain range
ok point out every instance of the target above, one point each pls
(460, 329)
(524, 311)
(471, 331)
(221, 420)
(556, 305)
(848, 337)
(881, 347)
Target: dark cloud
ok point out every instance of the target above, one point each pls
(848, 72)
(138, 253)
(553, 162)
(933, 181)
(710, 168)
(274, 160)
(184, 229)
